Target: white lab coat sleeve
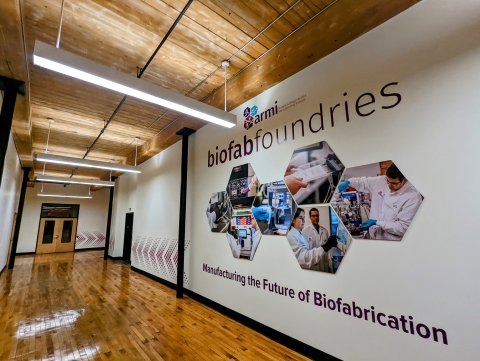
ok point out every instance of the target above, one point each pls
(305, 257)
(400, 225)
(366, 184)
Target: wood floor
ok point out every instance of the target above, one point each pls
(80, 307)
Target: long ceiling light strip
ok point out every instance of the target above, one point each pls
(64, 195)
(68, 180)
(85, 163)
(55, 59)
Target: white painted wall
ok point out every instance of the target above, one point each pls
(9, 194)
(154, 197)
(433, 51)
(92, 218)
(124, 201)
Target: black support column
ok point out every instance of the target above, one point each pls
(185, 133)
(16, 232)
(10, 87)
(109, 220)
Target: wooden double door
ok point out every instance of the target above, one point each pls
(57, 235)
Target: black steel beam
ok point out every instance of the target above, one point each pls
(109, 220)
(16, 232)
(185, 133)
(10, 87)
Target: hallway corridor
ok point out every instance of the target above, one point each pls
(76, 306)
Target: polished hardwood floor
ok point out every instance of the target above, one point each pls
(76, 306)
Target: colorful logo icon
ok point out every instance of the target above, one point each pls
(249, 114)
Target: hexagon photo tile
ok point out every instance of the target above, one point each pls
(272, 208)
(318, 239)
(219, 212)
(242, 186)
(313, 174)
(243, 234)
(376, 201)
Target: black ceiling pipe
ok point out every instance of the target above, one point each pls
(139, 75)
(185, 133)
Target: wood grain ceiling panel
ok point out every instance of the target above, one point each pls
(124, 33)
(244, 31)
(336, 27)
(12, 63)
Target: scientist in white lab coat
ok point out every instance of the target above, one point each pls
(308, 257)
(315, 234)
(394, 203)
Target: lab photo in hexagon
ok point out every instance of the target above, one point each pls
(313, 173)
(219, 212)
(272, 208)
(376, 201)
(318, 239)
(242, 186)
(243, 234)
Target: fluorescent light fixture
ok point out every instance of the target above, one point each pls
(64, 195)
(66, 63)
(85, 163)
(68, 180)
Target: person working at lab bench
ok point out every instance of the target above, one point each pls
(308, 257)
(394, 203)
(294, 184)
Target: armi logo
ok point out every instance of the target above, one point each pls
(253, 116)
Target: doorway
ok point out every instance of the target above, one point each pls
(127, 238)
(57, 235)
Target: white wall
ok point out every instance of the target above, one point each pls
(124, 202)
(433, 51)
(92, 218)
(9, 194)
(154, 197)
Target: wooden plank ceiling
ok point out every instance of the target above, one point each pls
(277, 37)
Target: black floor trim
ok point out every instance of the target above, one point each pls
(24, 253)
(115, 258)
(89, 249)
(172, 285)
(269, 332)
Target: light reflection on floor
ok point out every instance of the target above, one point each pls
(87, 353)
(57, 321)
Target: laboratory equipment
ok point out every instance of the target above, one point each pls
(280, 200)
(321, 169)
(242, 185)
(353, 208)
(241, 229)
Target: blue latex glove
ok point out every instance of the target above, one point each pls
(367, 224)
(261, 213)
(344, 185)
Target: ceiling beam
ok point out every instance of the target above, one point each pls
(13, 65)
